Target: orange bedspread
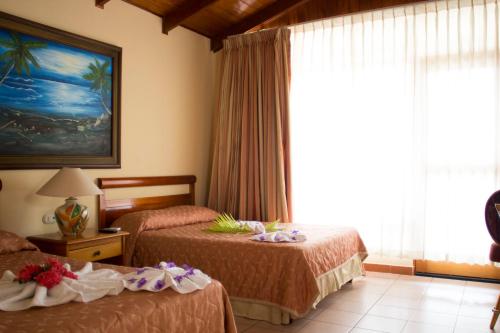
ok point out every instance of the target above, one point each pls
(206, 310)
(280, 274)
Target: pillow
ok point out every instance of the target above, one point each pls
(165, 218)
(178, 216)
(10, 243)
(137, 222)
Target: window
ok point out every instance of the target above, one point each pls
(395, 127)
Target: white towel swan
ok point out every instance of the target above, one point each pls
(92, 285)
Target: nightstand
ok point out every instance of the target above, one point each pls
(89, 246)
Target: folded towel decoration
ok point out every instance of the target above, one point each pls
(92, 285)
(226, 223)
(269, 232)
(89, 286)
(255, 226)
(293, 236)
(183, 279)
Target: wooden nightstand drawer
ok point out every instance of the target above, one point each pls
(90, 246)
(94, 253)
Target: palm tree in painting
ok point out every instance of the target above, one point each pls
(18, 55)
(100, 80)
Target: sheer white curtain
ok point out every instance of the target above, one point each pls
(395, 126)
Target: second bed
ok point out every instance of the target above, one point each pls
(276, 282)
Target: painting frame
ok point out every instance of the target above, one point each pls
(52, 161)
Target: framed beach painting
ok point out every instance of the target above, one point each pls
(59, 98)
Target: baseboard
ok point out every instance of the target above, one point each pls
(394, 269)
(484, 273)
(458, 277)
(488, 272)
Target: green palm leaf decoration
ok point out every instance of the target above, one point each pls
(226, 223)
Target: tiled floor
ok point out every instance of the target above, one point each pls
(391, 303)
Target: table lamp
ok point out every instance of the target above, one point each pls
(71, 183)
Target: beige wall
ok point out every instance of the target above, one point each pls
(166, 102)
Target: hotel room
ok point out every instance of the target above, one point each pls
(256, 166)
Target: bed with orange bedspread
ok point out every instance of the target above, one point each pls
(276, 282)
(206, 310)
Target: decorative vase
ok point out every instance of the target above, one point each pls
(72, 217)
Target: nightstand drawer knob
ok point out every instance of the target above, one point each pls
(96, 253)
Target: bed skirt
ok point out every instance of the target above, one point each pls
(327, 283)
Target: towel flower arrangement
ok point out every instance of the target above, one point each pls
(48, 275)
(53, 283)
(226, 223)
(183, 279)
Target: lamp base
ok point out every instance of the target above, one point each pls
(72, 217)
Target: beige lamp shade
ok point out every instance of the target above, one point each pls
(69, 182)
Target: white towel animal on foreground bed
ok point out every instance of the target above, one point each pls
(256, 226)
(89, 286)
(183, 279)
(280, 236)
(92, 285)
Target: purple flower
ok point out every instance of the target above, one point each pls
(171, 264)
(189, 270)
(159, 284)
(294, 238)
(178, 278)
(132, 280)
(141, 282)
(262, 237)
(140, 271)
(295, 231)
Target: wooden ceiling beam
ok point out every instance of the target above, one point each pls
(101, 3)
(185, 10)
(262, 16)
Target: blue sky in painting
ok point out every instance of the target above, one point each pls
(58, 87)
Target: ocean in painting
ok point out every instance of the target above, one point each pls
(54, 99)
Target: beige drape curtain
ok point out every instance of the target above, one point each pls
(250, 175)
(407, 100)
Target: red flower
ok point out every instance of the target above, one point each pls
(49, 278)
(28, 273)
(48, 275)
(55, 265)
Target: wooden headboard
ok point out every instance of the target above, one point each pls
(111, 209)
